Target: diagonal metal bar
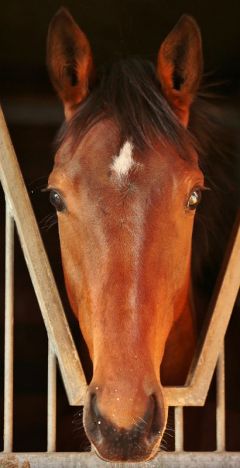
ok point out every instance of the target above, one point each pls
(40, 271)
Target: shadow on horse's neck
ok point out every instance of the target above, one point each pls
(180, 345)
(214, 220)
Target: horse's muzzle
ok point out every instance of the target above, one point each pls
(137, 443)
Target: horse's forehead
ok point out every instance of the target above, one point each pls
(99, 143)
(103, 155)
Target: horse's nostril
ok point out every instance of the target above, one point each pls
(95, 420)
(93, 406)
(153, 419)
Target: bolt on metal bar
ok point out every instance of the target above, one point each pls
(220, 407)
(9, 319)
(179, 439)
(52, 400)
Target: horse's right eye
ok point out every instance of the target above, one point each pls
(56, 200)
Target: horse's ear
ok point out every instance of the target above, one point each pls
(179, 66)
(69, 60)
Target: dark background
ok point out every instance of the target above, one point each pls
(115, 29)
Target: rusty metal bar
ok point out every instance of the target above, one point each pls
(220, 404)
(179, 437)
(52, 400)
(9, 319)
(40, 271)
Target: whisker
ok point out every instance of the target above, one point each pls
(48, 221)
(169, 435)
(163, 448)
(168, 428)
(141, 420)
(78, 413)
(35, 183)
(87, 448)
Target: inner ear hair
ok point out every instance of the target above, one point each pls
(69, 60)
(179, 66)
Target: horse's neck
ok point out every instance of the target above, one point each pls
(180, 347)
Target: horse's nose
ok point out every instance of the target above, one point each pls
(125, 444)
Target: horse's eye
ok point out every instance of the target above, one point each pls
(194, 199)
(56, 200)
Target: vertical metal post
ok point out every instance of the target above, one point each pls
(8, 342)
(52, 400)
(220, 409)
(179, 439)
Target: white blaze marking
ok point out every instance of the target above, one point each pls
(124, 161)
(121, 166)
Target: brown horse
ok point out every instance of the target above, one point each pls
(126, 184)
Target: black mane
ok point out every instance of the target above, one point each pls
(130, 92)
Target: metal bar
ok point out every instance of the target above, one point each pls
(220, 408)
(179, 438)
(8, 345)
(89, 459)
(40, 271)
(52, 400)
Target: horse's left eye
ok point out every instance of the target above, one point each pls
(56, 200)
(194, 199)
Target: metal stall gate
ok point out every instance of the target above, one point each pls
(61, 346)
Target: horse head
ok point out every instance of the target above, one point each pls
(126, 184)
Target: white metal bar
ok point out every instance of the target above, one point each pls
(52, 400)
(8, 344)
(179, 438)
(220, 407)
